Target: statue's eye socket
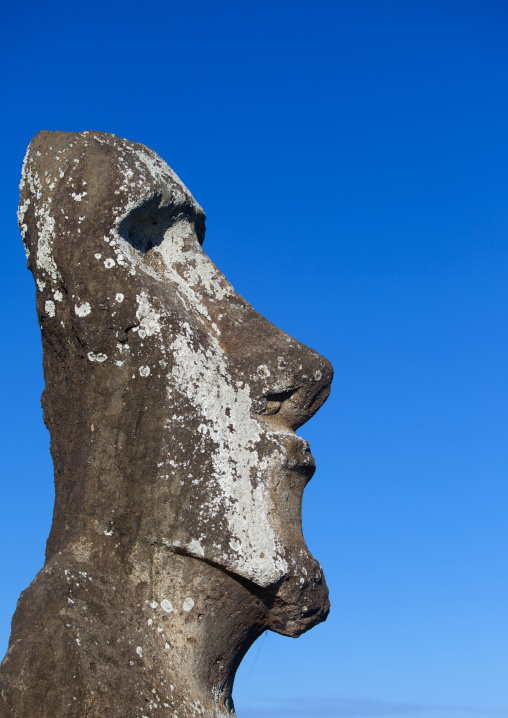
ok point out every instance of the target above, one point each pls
(145, 226)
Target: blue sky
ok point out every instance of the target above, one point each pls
(352, 158)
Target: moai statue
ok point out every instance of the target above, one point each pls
(172, 407)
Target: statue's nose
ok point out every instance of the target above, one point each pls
(288, 381)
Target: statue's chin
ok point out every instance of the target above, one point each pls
(295, 620)
(293, 608)
(297, 610)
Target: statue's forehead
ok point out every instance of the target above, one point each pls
(120, 173)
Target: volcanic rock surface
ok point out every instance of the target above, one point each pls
(172, 407)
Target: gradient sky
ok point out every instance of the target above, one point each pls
(352, 159)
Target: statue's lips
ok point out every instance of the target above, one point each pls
(299, 459)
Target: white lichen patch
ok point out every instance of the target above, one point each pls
(50, 308)
(83, 310)
(188, 604)
(149, 319)
(190, 269)
(25, 204)
(109, 263)
(166, 605)
(263, 371)
(99, 357)
(119, 297)
(196, 548)
(144, 370)
(46, 227)
(254, 549)
(57, 294)
(43, 216)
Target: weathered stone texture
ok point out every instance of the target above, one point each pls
(172, 406)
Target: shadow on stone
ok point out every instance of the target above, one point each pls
(145, 226)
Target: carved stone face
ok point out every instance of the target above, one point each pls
(186, 400)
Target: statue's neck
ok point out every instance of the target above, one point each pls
(182, 624)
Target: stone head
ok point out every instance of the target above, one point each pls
(186, 400)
